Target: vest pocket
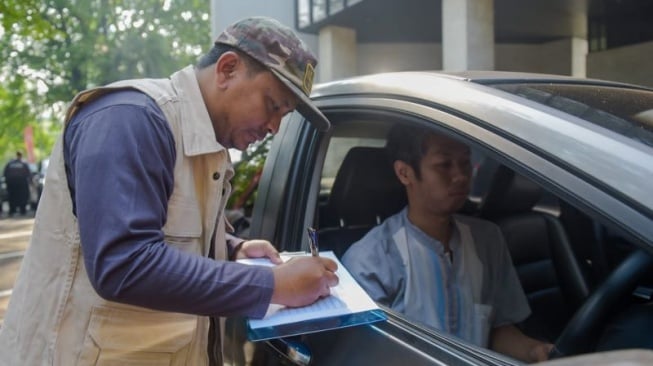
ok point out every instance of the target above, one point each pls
(184, 218)
(125, 337)
(183, 228)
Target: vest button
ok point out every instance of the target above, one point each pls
(216, 176)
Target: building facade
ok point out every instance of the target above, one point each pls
(605, 39)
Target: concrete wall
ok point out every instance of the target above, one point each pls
(338, 53)
(627, 64)
(630, 64)
(549, 58)
(380, 57)
(552, 57)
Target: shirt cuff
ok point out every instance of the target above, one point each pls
(234, 244)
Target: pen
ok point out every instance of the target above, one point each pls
(312, 241)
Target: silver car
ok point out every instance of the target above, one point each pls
(563, 165)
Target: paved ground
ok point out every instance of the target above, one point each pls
(15, 233)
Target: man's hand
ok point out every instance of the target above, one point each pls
(258, 249)
(298, 282)
(303, 280)
(509, 340)
(540, 352)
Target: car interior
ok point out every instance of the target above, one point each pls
(561, 254)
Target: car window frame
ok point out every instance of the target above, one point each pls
(556, 177)
(308, 148)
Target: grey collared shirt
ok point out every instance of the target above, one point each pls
(376, 263)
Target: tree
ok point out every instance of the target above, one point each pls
(247, 173)
(15, 113)
(56, 48)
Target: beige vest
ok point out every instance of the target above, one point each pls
(56, 318)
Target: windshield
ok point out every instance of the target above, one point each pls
(628, 112)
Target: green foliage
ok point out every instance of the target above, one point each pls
(15, 114)
(247, 171)
(55, 48)
(95, 42)
(23, 19)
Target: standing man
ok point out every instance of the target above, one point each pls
(448, 271)
(129, 256)
(17, 176)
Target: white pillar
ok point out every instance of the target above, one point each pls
(579, 50)
(337, 53)
(467, 35)
(579, 44)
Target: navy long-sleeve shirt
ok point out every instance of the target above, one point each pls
(120, 153)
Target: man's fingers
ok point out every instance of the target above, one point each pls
(326, 291)
(333, 279)
(272, 253)
(260, 248)
(329, 264)
(303, 280)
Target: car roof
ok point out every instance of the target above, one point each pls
(476, 76)
(494, 77)
(599, 154)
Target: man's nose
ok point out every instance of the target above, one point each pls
(461, 171)
(273, 124)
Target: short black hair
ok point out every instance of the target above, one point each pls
(219, 49)
(407, 143)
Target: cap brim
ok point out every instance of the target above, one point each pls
(305, 105)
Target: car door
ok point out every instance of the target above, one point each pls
(296, 185)
(298, 179)
(291, 192)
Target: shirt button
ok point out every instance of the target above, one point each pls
(216, 176)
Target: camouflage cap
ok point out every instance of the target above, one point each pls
(279, 49)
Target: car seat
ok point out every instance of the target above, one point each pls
(554, 282)
(365, 192)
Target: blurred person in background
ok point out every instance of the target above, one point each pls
(17, 177)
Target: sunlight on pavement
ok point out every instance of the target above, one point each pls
(15, 234)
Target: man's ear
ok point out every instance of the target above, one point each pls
(402, 171)
(226, 66)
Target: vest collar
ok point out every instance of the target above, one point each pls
(196, 127)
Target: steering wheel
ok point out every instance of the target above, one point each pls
(583, 329)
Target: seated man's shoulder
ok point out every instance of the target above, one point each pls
(375, 241)
(371, 240)
(487, 235)
(477, 222)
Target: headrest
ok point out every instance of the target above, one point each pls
(365, 190)
(509, 193)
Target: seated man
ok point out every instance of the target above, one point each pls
(451, 272)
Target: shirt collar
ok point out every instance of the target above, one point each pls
(421, 236)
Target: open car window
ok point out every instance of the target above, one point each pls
(537, 223)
